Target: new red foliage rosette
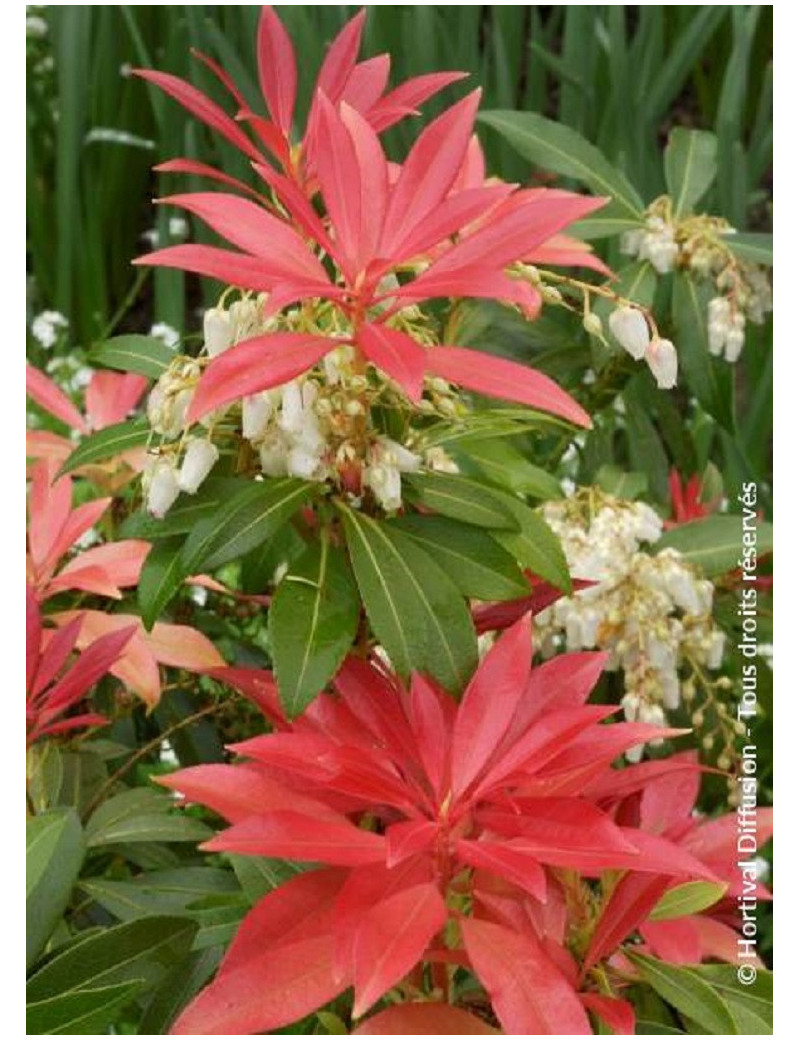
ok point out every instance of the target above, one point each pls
(484, 834)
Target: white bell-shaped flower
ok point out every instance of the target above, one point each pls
(217, 331)
(162, 489)
(384, 481)
(662, 360)
(629, 327)
(256, 413)
(199, 460)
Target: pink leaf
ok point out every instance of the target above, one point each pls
(408, 96)
(202, 107)
(366, 83)
(529, 994)
(112, 396)
(396, 354)
(677, 941)
(341, 57)
(46, 394)
(429, 171)
(254, 365)
(277, 71)
(497, 377)
(200, 169)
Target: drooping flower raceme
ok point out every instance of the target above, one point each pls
(449, 834)
(650, 612)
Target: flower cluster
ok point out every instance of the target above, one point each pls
(48, 327)
(320, 426)
(700, 244)
(650, 611)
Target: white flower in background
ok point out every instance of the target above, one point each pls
(629, 327)
(439, 461)
(650, 612)
(217, 331)
(257, 410)
(151, 237)
(46, 326)
(169, 336)
(273, 454)
(35, 27)
(725, 329)
(662, 360)
(178, 227)
(655, 242)
(200, 458)
(198, 595)
(161, 487)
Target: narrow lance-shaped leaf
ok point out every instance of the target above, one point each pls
(685, 991)
(105, 444)
(243, 523)
(147, 355)
(415, 610)
(54, 853)
(690, 165)
(312, 624)
(461, 498)
(161, 577)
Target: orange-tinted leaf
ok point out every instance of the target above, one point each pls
(428, 1019)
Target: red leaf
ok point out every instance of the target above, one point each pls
(506, 861)
(492, 616)
(367, 82)
(428, 1019)
(239, 269)
(277, 71)
(489, 704)
(497, 377)
(391, 939)
(237, 792)
(254, 365)
(200, 169)
(408, 839)
(618, 1014)
(529, 994)
(270, 990)
(90, 667)
(33, 636)
(293, 835)
(199, 105)
(428, 172)
(396, 354)
(372, 184)
(258, 686)
(46, 394)
(631, 902)
(297, 910)
(112, 396)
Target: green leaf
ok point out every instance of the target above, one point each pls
(54, 849)
(756, 247)
(556, 147)
(536, 547)
(477, 565)
(644, 1027)
(690, 165)
(159, 891)
(690, 898)
(312, 623)
(247, 520)
(504, 465)
(714, 543)
(146, 355)
(260, 874)
(749, 1004)
(615, 481)
(175, 991)
(142, 949)
(104, 444)
(187, 512)
(161, 576)
(141, 814)
(709, 378)
(416, 611)
(89, 1011)
(686, 991)
(461, 499)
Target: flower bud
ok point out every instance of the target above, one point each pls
(256, 412)
(197, 464)
(593, 324)
(629, 327)
(217, 331)
(662, 360)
